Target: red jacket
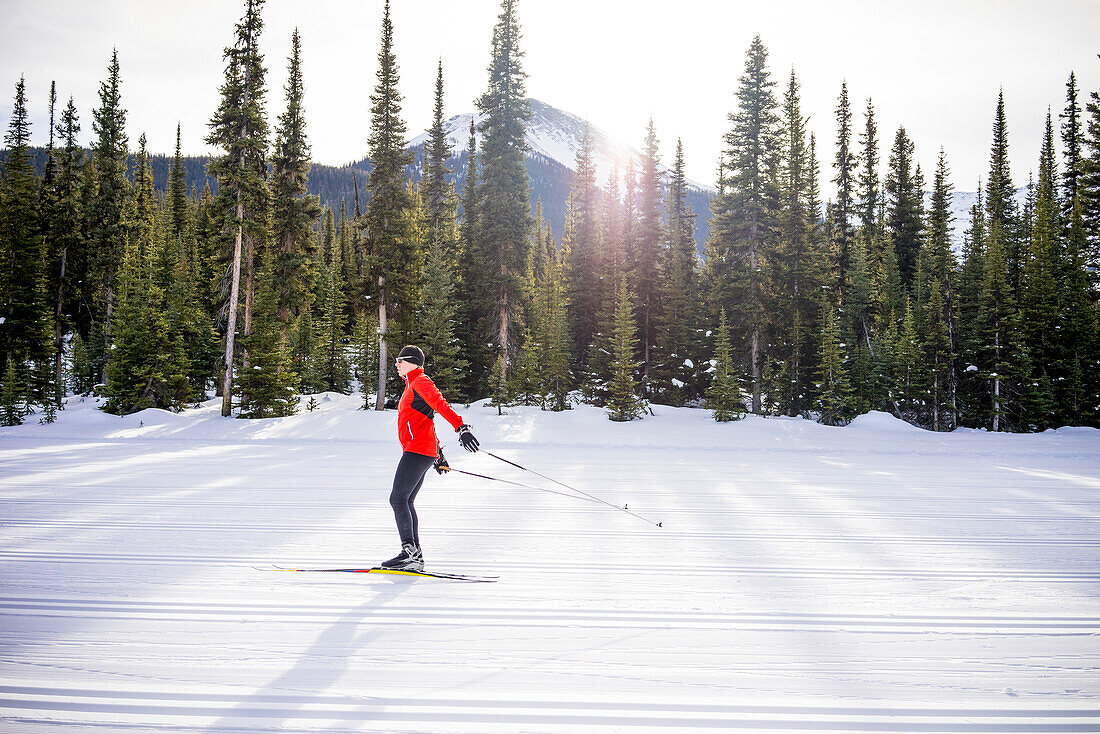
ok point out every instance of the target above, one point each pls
(415, 411)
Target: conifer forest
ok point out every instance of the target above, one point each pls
(258, 293)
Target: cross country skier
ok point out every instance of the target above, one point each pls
(419, 403)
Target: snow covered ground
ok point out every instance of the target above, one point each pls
(869, 578)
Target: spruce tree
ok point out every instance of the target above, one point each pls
(580, 242)
(745, 211)
(1071, 149)
(473, 303)
(241, 208)
(503, 195)
(1000, 201)
(645, 241)
(293, 213)
(996, 327)
(675, 342)
(843, 208)
(434, 188)
(329, 362)
(12, 401)
(268, 380)
(390, 278)
(25, 332)
(363, 342)
(66, 235)
(1039, 300)
(105, 201)
(938, 308)
(623, 400)
(798, 275)
(904, 203)
(148, 365)
(724, 393)
(438, 312)
(833, 388)
(177, 192)
(1088, 183)
(867, 176)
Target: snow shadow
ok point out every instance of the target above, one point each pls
(317, 669)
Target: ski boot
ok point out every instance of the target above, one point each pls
(409, 559)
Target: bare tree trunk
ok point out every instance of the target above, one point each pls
(57, 335)
(383, 357)
(645, 353)
(231, 324)
(996, 381)
(235, 285)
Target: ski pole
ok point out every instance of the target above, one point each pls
(591, 497)
(518, 484)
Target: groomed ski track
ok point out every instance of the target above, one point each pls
(873, 578)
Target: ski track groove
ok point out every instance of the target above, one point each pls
(610, 567)
(460, 616)
(260, 527)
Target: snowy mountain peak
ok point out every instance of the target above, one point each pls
(554, 134)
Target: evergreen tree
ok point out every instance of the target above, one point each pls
(675, 342)
(1088, 182)
(434, 188)
(580, 242)
(997, 348)
(241, 209)
(104, 202)
(938, 307)
(904, 202)
(293, 212)
(1071, 148)
(268, 381)
(364, 340)
(724, 393)
(833, 389)
(503, 209)
(391, 277)
(1039, 301)
(438, 312)
(25, 331)
(148, 365)
(645, 243)
(12, 405)
(859, 310)
(67, 243)
(623, 401)
(330, 363)
(867, 177)
(843, 208)
(177, 193)
(1000, 202)
(473, 302)
(745, 211)
(795, 282)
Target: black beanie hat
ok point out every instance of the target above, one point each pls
(413, 354)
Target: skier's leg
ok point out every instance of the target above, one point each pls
(407, 481)
(412, 508)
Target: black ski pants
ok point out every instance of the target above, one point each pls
(406, 483)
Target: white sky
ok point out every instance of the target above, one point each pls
(933, 66)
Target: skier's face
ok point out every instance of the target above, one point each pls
(405, 366)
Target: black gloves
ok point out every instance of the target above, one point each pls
(441, 464)
(469, 442)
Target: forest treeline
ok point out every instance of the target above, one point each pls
(256, 291)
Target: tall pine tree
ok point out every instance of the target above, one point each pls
(504, 218)
(391, 277)
(293, 213)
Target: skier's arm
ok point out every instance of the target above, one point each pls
(427, 390)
